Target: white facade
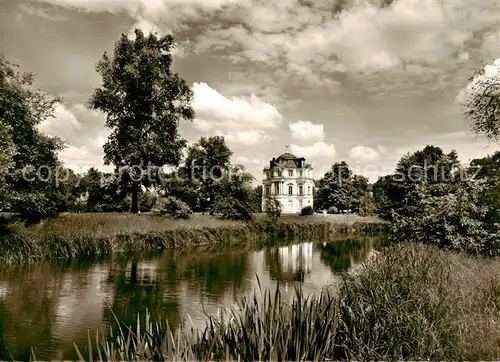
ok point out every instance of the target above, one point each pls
(290, 180)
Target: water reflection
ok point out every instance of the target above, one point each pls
(50, 306)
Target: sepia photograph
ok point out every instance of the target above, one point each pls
(249, 180)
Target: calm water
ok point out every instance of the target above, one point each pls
(49, 306)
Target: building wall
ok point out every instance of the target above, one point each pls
(289, 203)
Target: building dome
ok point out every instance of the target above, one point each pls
(286, 156)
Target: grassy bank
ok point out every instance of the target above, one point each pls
(409, 302)
(95, 235)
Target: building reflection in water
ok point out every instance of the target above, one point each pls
(49, 306)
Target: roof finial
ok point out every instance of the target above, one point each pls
(287, 148)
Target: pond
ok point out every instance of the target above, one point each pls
(50, 306)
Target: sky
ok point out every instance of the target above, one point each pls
(361, 81)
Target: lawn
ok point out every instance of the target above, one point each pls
(125, 223)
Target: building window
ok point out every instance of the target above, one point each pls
(301, 190)
(300, 204)
(300, 173)
(290, 189)
(290, 173)
(267, 190)
(267, 174)
(308, 190)
(276, 188)
(280, 173)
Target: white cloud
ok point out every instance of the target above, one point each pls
(42, 13)
(490, 76)
(306, 130)
(362, 153)
(156, 12)
(318, 149)
(237, 112)
(64, 123)
(247, 161)
(246, 138)
(364, 37)
(240, 119)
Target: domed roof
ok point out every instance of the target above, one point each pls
(286, 156)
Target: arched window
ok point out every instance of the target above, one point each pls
(301, 190)
(290, 189)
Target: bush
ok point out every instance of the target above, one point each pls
(172, 206)
(308, 210)
(33, 207)
(367, 206)
(333, 210)
(273, 209)
(457, 220)
(232, 209)
(147, 201)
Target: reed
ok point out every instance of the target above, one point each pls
(409, 302)
(89, 236)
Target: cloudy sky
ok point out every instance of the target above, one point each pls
(363, 81)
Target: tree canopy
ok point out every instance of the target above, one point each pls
(29, 161)
(144, 101)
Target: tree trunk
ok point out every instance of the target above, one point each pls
(133, 272)
(134, 207)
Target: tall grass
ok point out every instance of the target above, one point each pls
(95, 235)
(409, 302)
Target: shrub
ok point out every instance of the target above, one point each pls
(147, 201)
(333, 210)
(33, 207)
(231, 208)
(172, 206)
(367, 206)
(308, 210)
(273, 209)
(458, 220)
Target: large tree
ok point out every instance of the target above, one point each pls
(425, 173)
(341, 188)
(206, 162)
(32, 172)
(144, 101)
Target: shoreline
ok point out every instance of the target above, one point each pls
(88, 236)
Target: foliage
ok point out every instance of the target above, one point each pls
(332, 210)
(481, 103)
(31, 155)
(207, 161)
(415, 302)
(340, 188)
(428, 169)
(236, 200)
(231, 208)
(6, 154)
(259, 327)
(91, 235)
(273, 209)
(307, 210)
(144, 102)
(458, 219)
(147, 201)
(104, 192)
(178, 209)
(366, 206)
